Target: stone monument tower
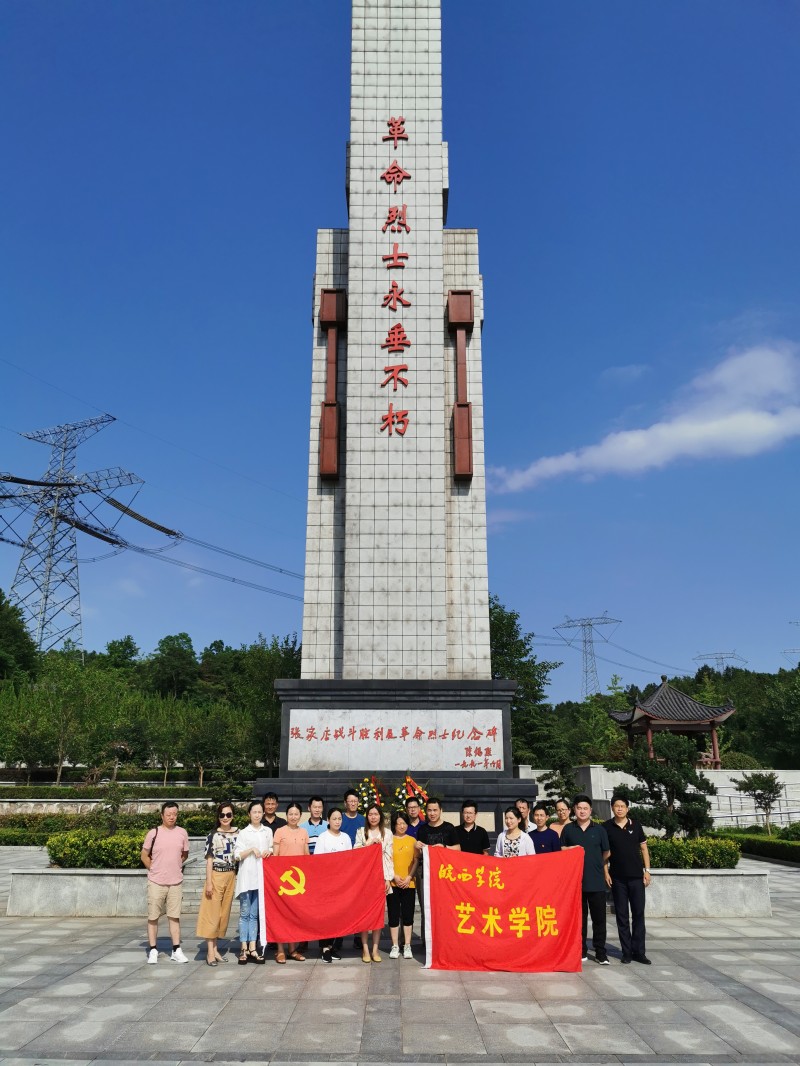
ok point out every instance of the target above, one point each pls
(396, 668)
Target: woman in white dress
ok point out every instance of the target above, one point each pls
(376, 833)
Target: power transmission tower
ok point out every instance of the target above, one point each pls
(587, 626)
(719, 658)
(46, 585)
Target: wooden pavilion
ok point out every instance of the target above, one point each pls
(668, 710)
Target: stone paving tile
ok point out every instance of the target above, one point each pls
(746, 1031)
(259, 1039)
(588, 1010)
(532, 1040)
(613, 1039)
(345, 1037)
(690, 1038)
(17, 1033)
(506, 1012)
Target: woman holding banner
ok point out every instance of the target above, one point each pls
(331, 842)
(291, 840)
(513, 841)
(375, 832)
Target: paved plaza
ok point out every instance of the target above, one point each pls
(718, 991)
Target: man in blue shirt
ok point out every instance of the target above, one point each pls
(596, 879)
(352, 821)
(545, 840)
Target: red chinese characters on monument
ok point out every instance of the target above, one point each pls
(397, 341)
(394, 297)
(396, 219)
(395, 175)
(394, 421)
(397, 130)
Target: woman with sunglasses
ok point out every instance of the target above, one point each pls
(215, 906)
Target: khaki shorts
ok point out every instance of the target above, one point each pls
(163, 899)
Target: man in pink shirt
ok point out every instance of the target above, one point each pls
(165, 850)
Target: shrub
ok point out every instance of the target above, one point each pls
(33, 828)
(739, 760)
(790, 832)
(769, 847)
(70, 792)
(21, 838)
(82, 848)
(698, 853)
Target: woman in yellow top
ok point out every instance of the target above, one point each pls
(401, 901)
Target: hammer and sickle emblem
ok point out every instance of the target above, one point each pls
(293, 882)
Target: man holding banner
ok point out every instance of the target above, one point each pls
(593, 839)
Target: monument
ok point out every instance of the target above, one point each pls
(396, 671)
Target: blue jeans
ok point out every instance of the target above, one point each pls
(248, 916)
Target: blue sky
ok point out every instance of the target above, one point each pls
(633, 172)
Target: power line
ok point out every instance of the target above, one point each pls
(656, 662)
(587, 626)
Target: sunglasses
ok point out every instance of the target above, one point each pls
(227, 814)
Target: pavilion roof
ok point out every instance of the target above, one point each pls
(668, 704)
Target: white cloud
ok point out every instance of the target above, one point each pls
(499, 519)
(747, 404)
(129, 587)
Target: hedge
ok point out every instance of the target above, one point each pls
(768, 847)
(31, 828)
(82, 848)
(75, 792)
(22, 838)
(696, 853)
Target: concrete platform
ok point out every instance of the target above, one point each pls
(720, 990)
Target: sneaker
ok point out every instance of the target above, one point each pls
(178, 956)
(601, 958)
(643, 959)
(584, 957)
(395, 952)
(625, 960)
(407, 952)
(326, 955)
(152, 956)
(335, 956)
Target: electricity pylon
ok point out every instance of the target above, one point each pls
(719, 658)
(46, 586)
(587, 626)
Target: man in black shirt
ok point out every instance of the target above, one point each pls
(594, 841)
(471, 837)
(630, 875)
(435, 833)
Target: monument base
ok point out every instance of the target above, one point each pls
(452, 736)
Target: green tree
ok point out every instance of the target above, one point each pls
(18, 654)
(765, 789)
(672, 790)
(172, 669)
(534, 737)
(262, 664)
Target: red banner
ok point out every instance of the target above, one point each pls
(521, 914)
(316, 897)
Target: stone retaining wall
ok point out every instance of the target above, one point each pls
(709, 894)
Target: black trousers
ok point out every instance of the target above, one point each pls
(595, 903)
(333, 945)
(629, 894)
(400, 904)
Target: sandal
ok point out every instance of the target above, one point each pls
(221, 958)
(297, 956)
(255, 957)
(210, 962)
(280, 957)
(243, 957)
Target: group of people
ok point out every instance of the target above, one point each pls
(615, 857)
